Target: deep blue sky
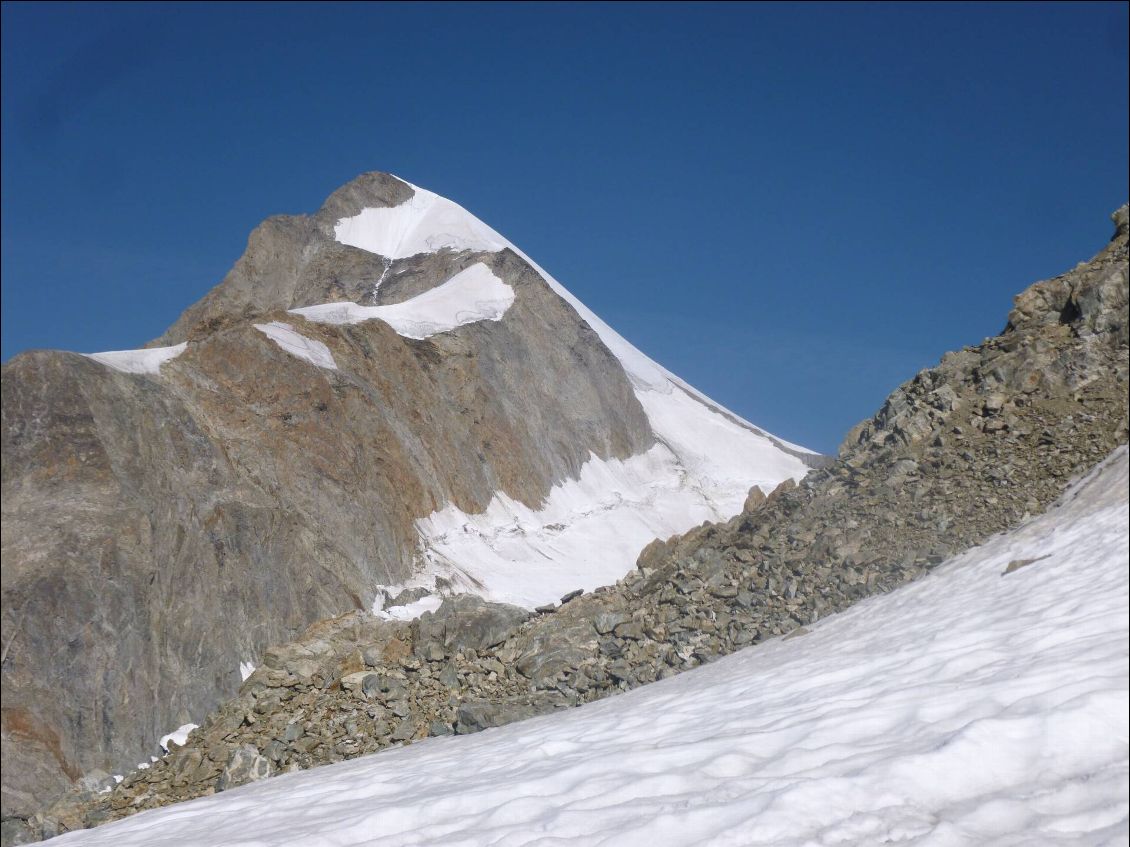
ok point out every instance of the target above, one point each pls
(793, 207)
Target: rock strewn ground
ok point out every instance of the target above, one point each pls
(962, 451)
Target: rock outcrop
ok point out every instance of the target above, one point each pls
(963, 450)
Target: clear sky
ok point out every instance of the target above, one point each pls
(794, 207)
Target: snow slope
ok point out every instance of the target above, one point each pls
(590, 530)
(970, 708)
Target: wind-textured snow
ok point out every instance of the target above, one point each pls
(474, 294)
(138, 361)
(968, 708)
(590, 530)
(293, 342)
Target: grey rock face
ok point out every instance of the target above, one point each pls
(467, 622)
(160, 529)
(475, 717)
(924, 478)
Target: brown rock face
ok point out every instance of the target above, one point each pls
(158, 529)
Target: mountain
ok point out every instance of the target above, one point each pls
(975, 446)
(380, 404)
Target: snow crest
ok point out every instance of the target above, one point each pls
(969, 707)
(474, 294)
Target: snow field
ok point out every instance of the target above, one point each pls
(968, 708)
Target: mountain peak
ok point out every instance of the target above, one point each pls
(382, 399)
(370, 190)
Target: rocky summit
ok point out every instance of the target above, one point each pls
(382, 404)
(971, 447)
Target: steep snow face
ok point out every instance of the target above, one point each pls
(474, 294)
(589, 530)
(284, 335)
(138, 361)
(970, 707)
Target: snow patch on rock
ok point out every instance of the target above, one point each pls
(177, 736)
(293, 342)
(410, 611)
(474, 294)
(147, 361)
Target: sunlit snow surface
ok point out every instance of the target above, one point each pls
(590, 530)
(138, 361)
(968, 708)
(474, 294)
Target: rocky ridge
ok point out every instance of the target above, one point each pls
(963, 450)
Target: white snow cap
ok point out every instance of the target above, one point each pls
(138, 361)
(474, 294)
(965, 708)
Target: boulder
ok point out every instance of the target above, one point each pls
(245, 765)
